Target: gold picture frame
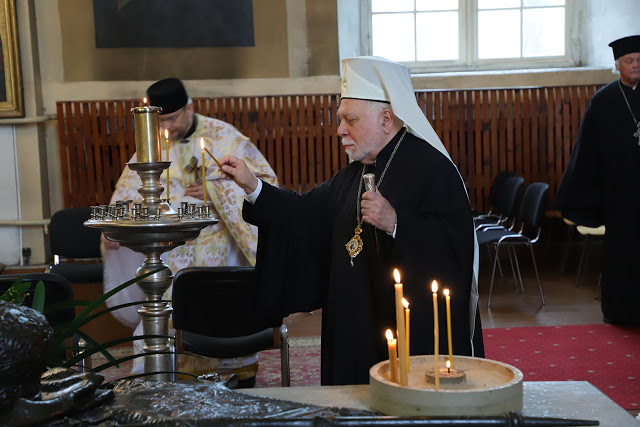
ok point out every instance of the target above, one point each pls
(11, 104)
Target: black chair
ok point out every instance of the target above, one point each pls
(532, 209)
(507, 201)
(495, 194)
(214, 315)
(75, 248)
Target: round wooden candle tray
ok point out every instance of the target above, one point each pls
(491, 388)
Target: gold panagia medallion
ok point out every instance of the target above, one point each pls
(354, 246)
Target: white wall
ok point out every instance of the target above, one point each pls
(10, 247)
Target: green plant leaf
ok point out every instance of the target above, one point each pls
(38, 297)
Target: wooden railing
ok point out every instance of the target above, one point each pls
(527, 130)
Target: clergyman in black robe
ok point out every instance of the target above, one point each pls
(601, 184)
(303, 264)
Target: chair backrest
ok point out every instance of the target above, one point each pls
(56, 290)
(534, 204)
(496, 186)
(218, 302)
(509, 196)
(69, 238)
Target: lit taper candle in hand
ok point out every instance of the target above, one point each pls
(204, 182)
(166, 137)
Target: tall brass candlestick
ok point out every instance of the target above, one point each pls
(147, 133)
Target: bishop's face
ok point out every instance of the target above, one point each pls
(629, 67)
(361, 129)
(178, 122)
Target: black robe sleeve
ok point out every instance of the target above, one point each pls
(292, 248)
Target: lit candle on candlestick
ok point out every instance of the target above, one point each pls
(204, 182)
(393, 356)
(436, 333)
(402, 337)
(166, 137)
(405, 303)
(448, 366)
(448, 298)
(144, 102)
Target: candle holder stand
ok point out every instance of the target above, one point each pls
(151, 227)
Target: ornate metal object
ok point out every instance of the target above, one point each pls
(151, 227)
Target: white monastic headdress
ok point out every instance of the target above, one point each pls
(378, 79)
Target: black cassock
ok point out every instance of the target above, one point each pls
(302, 263)
(601, 185)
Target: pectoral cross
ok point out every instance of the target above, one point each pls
(637, 134)
(194, 169)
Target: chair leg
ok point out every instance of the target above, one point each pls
(515, 257)
(513, 267)
(535, 268)
(491, 258)
(284, 356)
(493, 274)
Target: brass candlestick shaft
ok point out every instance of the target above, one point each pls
(147, 133)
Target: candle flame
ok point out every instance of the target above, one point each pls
(389, 335)
(202, 143)
(434, 286)
(144, 101)
(405, 303)
(396, 275)
(166, 134)
(446, 292)
(448, 364)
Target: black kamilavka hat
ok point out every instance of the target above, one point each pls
(625, 45)
(168, 94)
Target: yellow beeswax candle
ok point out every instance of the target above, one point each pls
(393, 356)
(166, 137)
(448, 299)
(436, 334)
(407, 312)
(402, 337)
(204, 182)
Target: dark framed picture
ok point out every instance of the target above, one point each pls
(11, 104)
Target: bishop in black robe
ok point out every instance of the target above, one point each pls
(302, 263)
(601, 185)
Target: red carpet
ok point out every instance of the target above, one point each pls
(607, 356)
(304, 367)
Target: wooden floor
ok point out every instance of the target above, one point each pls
(566, 304)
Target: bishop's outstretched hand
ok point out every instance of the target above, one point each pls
(236, 169)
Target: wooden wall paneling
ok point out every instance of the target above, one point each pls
(277, 137)
(495, 147)
(334, 140)
(295, 144)
(477, 141)
(109, 180)
(535, 142)
(526, 135)
(446, 121)
(502, 130)
(130, 137)
(78, 168)
(62, 109)
(517, 142)
(317, 139)
(95, 152)
(326, 138)
(471, 148)
(510, 119)
(566, 123)
(304, 143)
(487, 155)
(543, 136)
(287, 163)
